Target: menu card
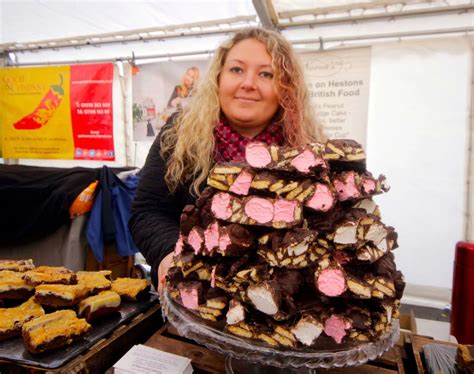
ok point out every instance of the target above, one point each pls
(141, 359)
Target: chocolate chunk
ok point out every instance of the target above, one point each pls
(351, 185)
(344, 154)
(174, 275)
(189, 219)
(206, 195)
(306, 160)
(260, 211)
(217, 238)
(360, 318)
(369, 253)
(234, 240)
(359, 287)
(385, 265)
(289, 281)
(399, 282)
(295, 249)
(383, 287)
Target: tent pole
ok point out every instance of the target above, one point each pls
(315, 40)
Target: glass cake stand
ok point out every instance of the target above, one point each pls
(252, 357)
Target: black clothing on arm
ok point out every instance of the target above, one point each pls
(154, 223)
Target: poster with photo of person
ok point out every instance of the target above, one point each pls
(159, 90)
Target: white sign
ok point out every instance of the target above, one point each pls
(338, 82)
(141, 359)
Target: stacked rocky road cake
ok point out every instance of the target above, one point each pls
(289, 249)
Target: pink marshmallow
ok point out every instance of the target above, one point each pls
(336, 327)
(322, 199)
(220, 206)
(284, 210)
(224, 242)
(257, 155)
(179, 245)
(331, 282)
(261, 210)
(211, 236)
(347, 189)
(368, 185)
(195, 240)
(189, 299)
(241, 184)
(304, 161)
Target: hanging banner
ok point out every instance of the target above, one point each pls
(160, 89)
(338, 82)
(60, 112)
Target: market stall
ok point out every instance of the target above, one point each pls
(84, 97)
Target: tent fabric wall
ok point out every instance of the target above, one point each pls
(417, 136)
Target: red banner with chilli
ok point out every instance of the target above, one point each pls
(60, 112)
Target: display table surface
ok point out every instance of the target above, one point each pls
(241, 350)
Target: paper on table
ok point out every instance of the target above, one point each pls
(141, 359)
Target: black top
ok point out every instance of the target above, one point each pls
(35, 200)
(154, 223)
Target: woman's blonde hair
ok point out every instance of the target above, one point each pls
(184, 90)
(189, 144)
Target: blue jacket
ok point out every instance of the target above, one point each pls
(110, 214)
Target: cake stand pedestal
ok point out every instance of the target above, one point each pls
(244, 356)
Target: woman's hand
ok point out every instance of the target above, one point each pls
(163, 270)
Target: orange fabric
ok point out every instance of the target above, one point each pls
(83, 202)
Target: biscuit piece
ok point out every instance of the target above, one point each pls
(131, 289)
(56, 295)
(95, 281)
(17, 265)
(53, 331)
(12, 319)
(465, 358)
(93, 307)
(49, 275)
(12, 286)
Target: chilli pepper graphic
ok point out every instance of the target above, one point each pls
(45, 109)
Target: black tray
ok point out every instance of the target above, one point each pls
(14, 350)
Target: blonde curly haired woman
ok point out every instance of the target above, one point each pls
(254, 91)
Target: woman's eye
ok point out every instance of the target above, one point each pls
(236, 69)
(266, 74)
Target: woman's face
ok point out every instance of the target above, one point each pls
(189, 78)
(247, 93)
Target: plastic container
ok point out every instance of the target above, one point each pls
(462, 299)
